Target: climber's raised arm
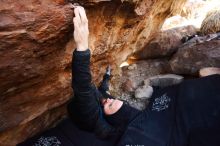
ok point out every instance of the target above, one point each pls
(81, 30)
(85, 108)
(81, 56)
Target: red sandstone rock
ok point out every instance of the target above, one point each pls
(33, 66)
(121, 31)
(35, 54)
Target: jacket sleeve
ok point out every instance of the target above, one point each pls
(81, 77)
(85, 105)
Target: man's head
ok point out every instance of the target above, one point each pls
(111, 106)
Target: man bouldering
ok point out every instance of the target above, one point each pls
(184, 114)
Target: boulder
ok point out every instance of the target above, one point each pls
(163, 80)
(144, 92)
(193, 56)
(129, 86)
(165, 43)
(132, 67)
(34, 66)
(125, 85)
(211, 24)
(132, 79)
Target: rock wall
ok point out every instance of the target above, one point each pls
(35, 54)
(126, 29)
(34, 79)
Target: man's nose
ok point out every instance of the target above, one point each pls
(108, 100)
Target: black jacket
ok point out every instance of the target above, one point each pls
(84, 108)
(187, 114)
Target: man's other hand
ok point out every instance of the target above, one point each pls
(81, 30)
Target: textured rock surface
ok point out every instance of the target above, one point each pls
(211, 23)
(46, 120)
(124, 86)
(122, 29)
(33, 62)
(144, 92)
(193, 56)
(193, 13)
(36, 45)
(165, 43)
(163, 80)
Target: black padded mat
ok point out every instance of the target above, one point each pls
(66, 134)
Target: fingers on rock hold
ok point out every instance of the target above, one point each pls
(82, 14)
